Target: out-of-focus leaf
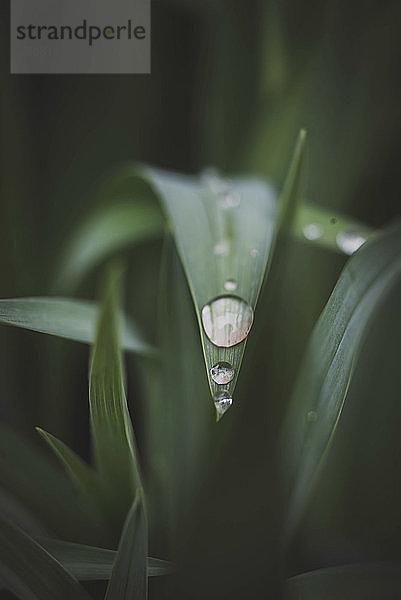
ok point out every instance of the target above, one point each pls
(376, 581)
(42, 489)
(31, 573)
(90, 563)
(67, 318)
(223, 230)
(129, 577)
(112, 432)
(124, 221)
(329, 361)
(85, 478)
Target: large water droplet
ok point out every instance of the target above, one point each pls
(222, 373)
(227, 320)
(230, 285)
(222, 402)
(312, 231)
(350, 241)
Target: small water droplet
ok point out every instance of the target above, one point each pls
(222, 402)
(216, 184)
(230, 200)
(333, 220)
(222, 248)
(230, 285)
(254, 252)
(227, 320)
(312, 231)
(311, 417)
(222, 373)
(350, 241)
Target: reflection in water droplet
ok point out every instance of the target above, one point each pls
(222, 248)
(350, 241)
(222, 402)
(230, 200)
(254, 252)
(230, 285)
(311, 417)
(227, 320)
(222, 373)
(312, 231)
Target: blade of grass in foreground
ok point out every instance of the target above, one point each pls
(28, 571)
(67, 318)
(129, 577)
(90, 563)
(112, 432)
(327, 367)
(223, 229)
(359, 582)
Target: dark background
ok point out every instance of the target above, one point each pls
(232, 83)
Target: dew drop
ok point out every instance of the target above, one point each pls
(230, 200)
(312, 231)
(350, 241)
(227, 320)
(311, 417)
(254, 252)
(215, 183)
(222, 248)
(222, 402)
(222, 373)
(230, 285)
(333, 220)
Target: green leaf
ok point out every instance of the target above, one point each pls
(42, 489)
(349, 582)
(90, 563)
(67, 318)
(112, 433)
(131, 216)
(291, 190)
(223, 230)
(27, 570)
(321, 227)
(328, 364)
(85, 478)
(129, 578)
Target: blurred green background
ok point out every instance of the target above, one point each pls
(231, 85)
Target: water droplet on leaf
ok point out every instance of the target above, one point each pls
(222, 373)
(350, 241)
(230, 285)
(230, 200)
(254, 252)
(312, 231)
(222, 248)
(222, 402)
(311, 417)
(227, 320)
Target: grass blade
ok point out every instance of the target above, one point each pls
(27, 570)
(359, 582)
(90, 563)
(85, 478)
(224, 232)
(67, 318)
(131, 216)
(129, 578)
(329, 361)
(42, 489)
(291, 190)
(112, 433)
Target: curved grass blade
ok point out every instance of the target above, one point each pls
(321, 227)
(31, 573)
(67, 318)
(223, 230)
(359, 582)
(88, 563)
(129, 578)
(108, 229)
(112, 432)
(42, 489)
(291, 190)
(85, 478)
(325, 372)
